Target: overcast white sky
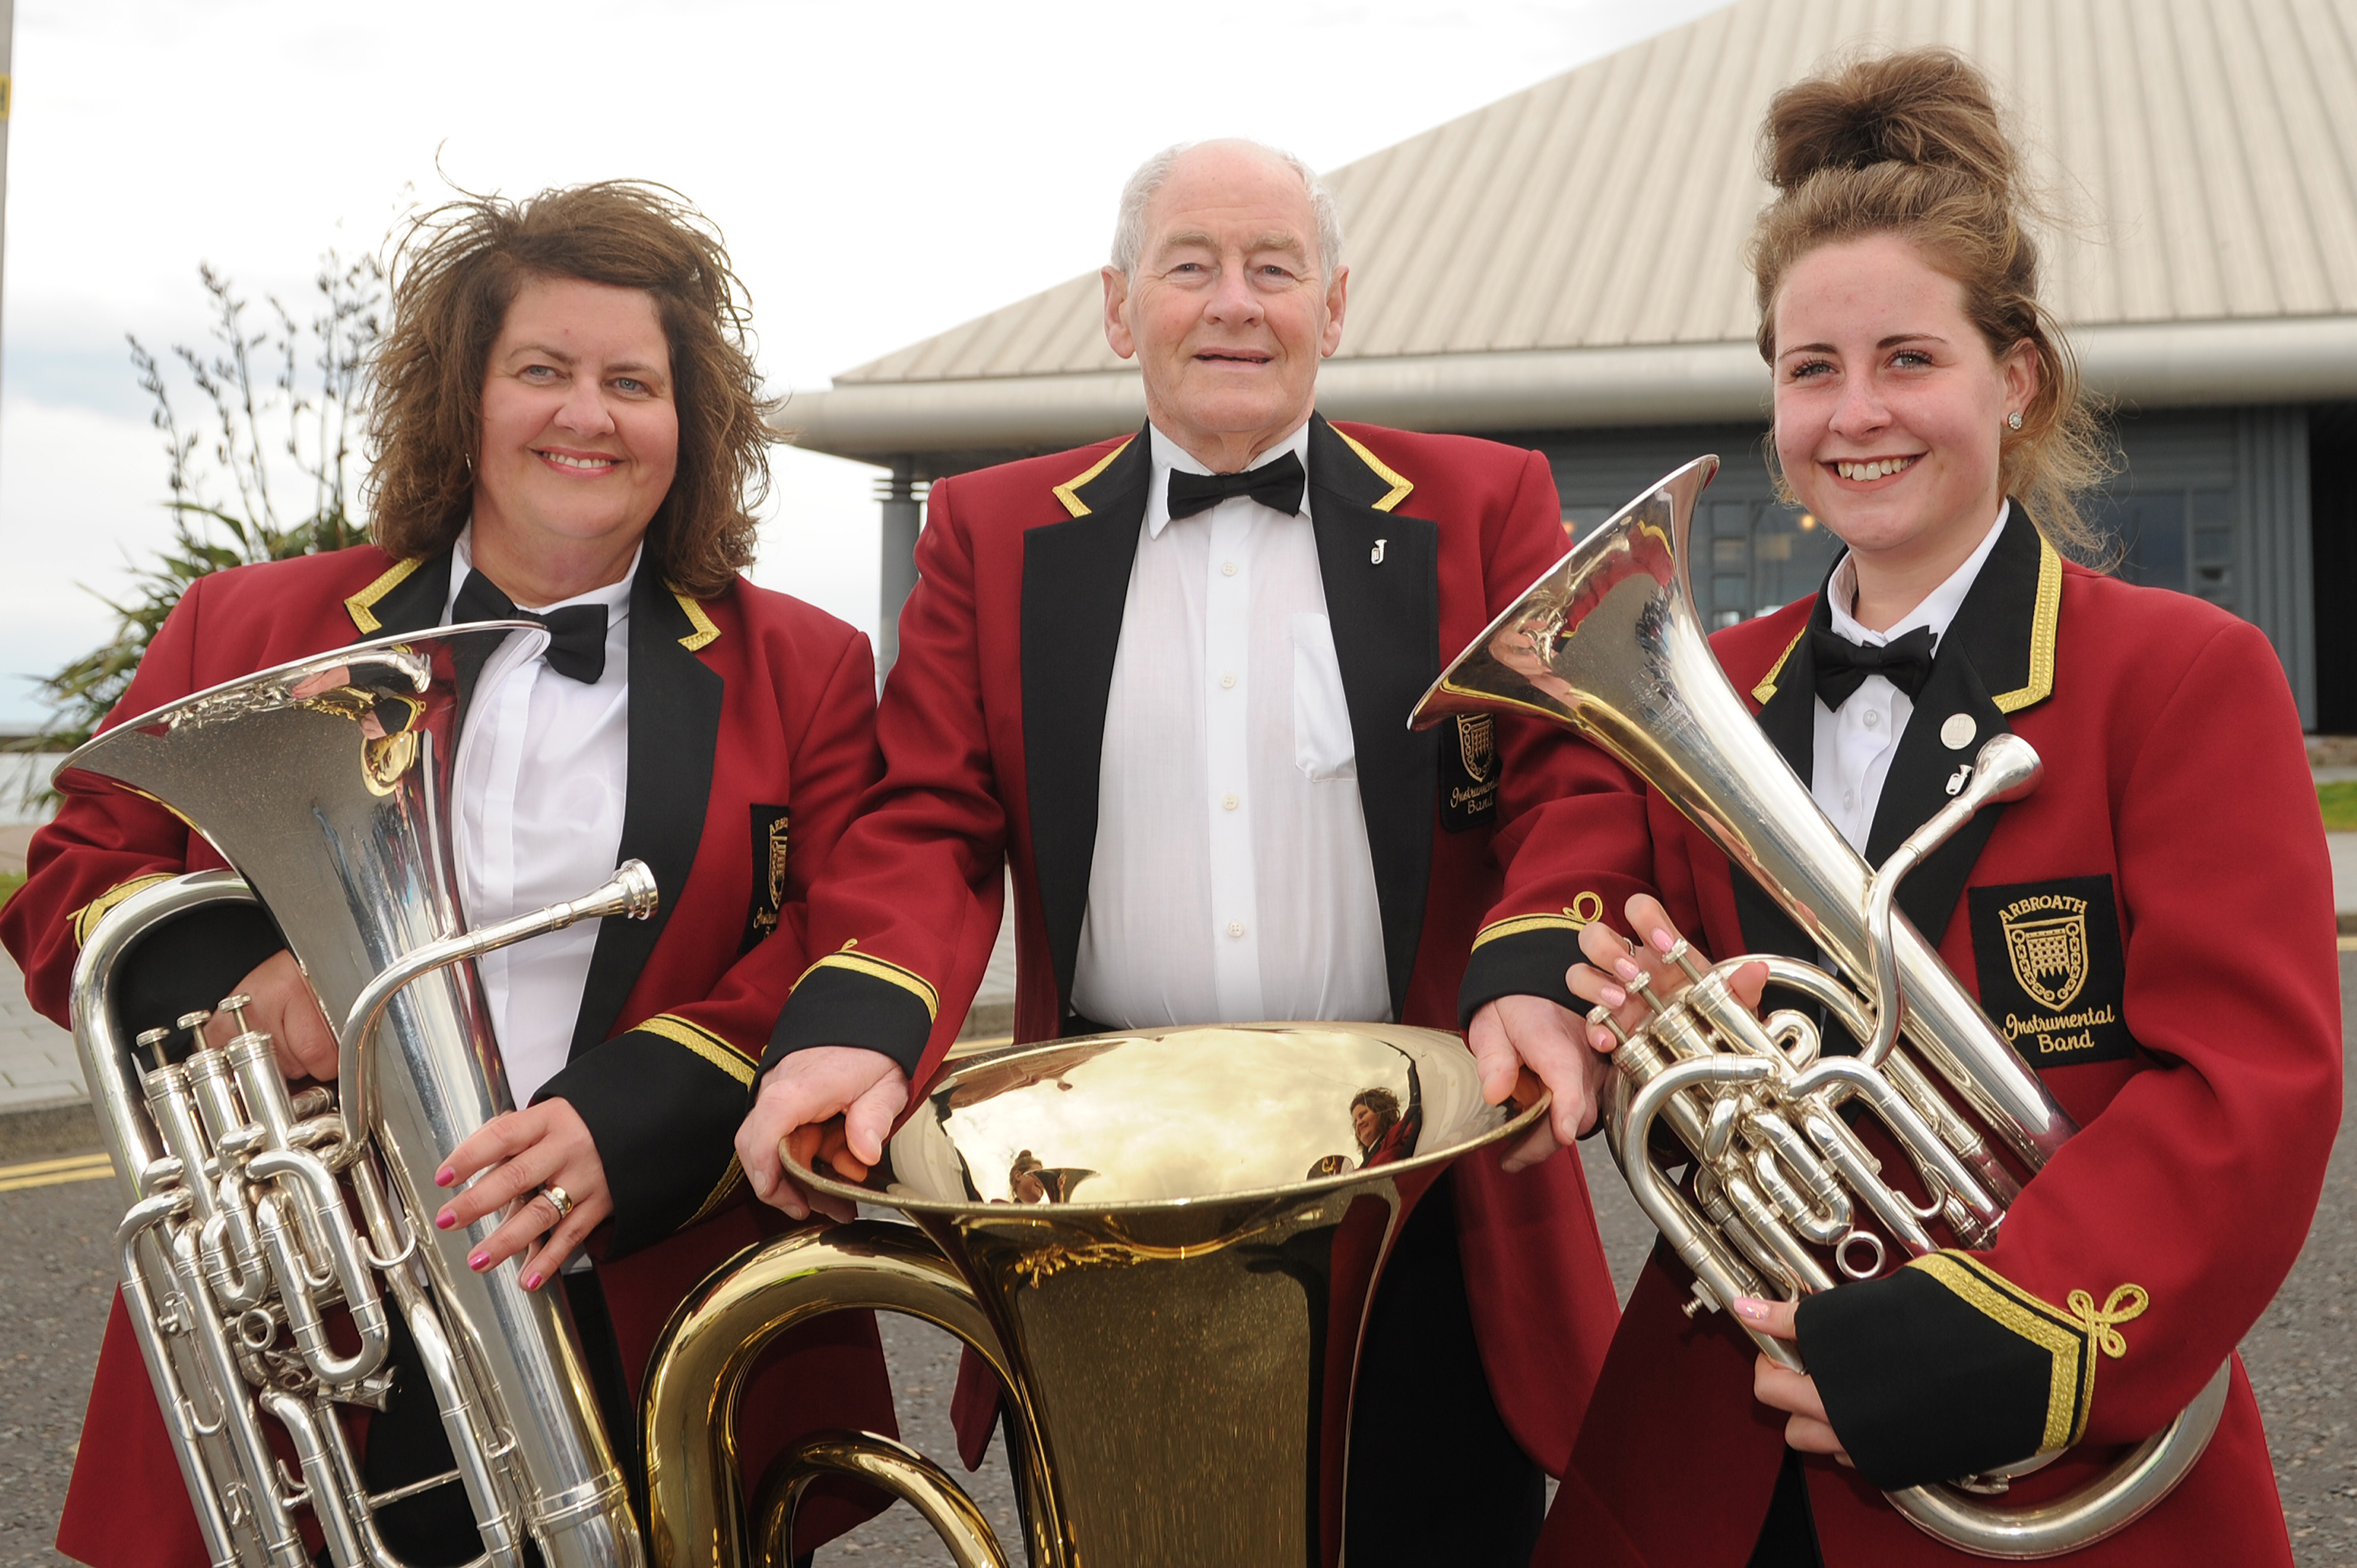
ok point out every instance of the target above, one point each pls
(882, 171)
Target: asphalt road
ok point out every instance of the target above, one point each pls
(56, 1278)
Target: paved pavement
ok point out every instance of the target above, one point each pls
(39, 1066)
(56, 1277)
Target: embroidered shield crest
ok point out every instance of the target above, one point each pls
(2049, 955)
(768, 880)
(1477, 745)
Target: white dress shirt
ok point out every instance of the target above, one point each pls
(543, 769)
(1232, 882)
(1854, 746)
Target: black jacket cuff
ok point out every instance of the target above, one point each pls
(662, 1103)
(1927, 1374)
(1523, 957)
(191, 962)
(877, 1006)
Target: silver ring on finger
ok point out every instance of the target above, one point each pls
(556, 1200)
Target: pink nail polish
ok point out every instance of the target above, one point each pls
(444, 1176)
(1614, 996)
(1663, 940)
(1627, 969)
(531, 1282)
(480, 1261)
(1750, 1309)
(443, 1220)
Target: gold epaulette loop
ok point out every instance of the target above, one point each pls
(2124, 1304)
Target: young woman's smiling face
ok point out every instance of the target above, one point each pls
(1890, 410)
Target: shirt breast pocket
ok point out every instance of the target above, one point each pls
(1322, 746)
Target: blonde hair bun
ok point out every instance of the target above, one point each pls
(1926, 108)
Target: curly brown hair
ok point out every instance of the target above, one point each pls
(455, 274)
(1911, 143)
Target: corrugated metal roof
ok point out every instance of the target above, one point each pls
(2206, 151)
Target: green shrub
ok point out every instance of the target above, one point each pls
(2340, 803)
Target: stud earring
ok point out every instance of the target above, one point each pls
(2013, 420)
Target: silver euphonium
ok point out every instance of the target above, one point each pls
(1785, 1200)
(253, 1212)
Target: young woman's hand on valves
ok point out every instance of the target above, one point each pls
(1613, 964)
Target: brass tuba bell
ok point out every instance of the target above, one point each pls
(1175, 1312)
(1785, 1200)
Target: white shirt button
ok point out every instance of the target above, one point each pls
(1873, 718)
(1230, 802)
(1228, 681)
(1235, 928)
(1849, 799)
(1227, 568)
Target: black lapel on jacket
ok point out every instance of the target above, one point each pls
(413, 604)
(1075, 587)
(675, 731)
(1990, 647)
(1789, 716)
(1384, 606)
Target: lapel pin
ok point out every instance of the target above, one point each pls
(1957, 733)
(1375, 556)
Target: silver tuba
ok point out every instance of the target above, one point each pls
(1785, 1199)
(254, 1211)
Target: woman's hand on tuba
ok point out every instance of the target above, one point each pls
(1780, 1388)
(1517, 1039)
(522, 1154)
(1614, 964)
(279, 1004)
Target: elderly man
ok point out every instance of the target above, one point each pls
(1169, 676)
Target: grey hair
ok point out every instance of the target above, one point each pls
(1129, 227)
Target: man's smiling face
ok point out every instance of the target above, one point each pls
(1229, 311)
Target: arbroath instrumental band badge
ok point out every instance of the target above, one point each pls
(2051, 974)
(1469, 774)
(769, 898)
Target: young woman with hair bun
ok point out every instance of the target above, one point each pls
(2152, 928)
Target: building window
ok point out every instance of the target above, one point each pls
(2181, 539)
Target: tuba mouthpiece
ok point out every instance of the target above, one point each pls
(2008, 769)
(636, 885)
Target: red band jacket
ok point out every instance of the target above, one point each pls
(2152, 928)
(750, 739)
(991, 727)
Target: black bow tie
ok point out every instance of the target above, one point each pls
(576, 635)
(1843, 666)
(1276, 486)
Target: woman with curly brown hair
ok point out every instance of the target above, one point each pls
(1928, 413)
(566, 425)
